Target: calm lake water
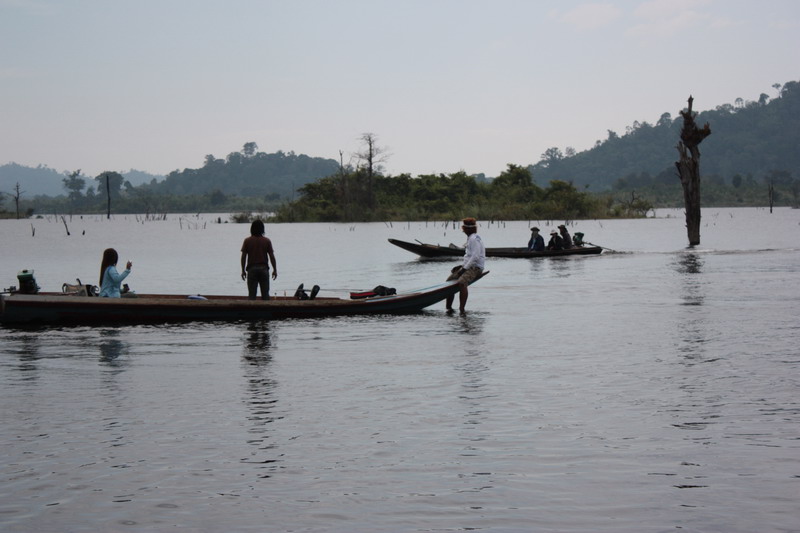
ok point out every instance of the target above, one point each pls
(653, 388)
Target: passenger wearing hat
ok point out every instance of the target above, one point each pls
(565, 236)
(556, 242)
(471, 268)
(536, 243)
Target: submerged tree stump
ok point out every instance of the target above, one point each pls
(689, 170)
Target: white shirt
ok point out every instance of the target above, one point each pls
(475, 253)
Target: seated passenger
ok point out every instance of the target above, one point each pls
(110, 279)
(565, 236)
(536, 242)
(556, 242)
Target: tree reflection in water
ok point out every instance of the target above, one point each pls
(692, 320)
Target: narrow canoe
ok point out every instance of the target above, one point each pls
(59, 308)
(434, 250)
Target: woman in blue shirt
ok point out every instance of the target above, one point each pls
(110, 279)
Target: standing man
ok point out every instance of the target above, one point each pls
(472, 266)
(536, 244)
(256, 251)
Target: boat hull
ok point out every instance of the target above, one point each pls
(58, 308)
(435, 251)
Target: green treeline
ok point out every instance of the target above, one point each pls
(128, 199)
(359, 196)
(662, 190)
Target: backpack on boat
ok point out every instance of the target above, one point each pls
(380, 290)
(80, 289)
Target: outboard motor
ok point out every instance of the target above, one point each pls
(27, 283)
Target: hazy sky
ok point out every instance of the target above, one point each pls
(445, 85)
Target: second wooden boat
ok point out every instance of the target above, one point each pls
(434, 250)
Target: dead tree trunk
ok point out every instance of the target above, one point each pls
(689, 170)
(771, 193)
(17, 194)
(108, 193)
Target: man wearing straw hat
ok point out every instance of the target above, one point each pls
(472, 266)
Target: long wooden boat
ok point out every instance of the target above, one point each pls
(434, 250)
(59, 308)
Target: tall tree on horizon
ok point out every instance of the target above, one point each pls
(74, 184)
(372, 156)
(112, 182)
(17, 195)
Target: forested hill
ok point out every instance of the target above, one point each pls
(747, 138)
(33, 181)
(249, 173)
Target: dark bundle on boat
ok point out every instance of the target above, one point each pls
(380, 290)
